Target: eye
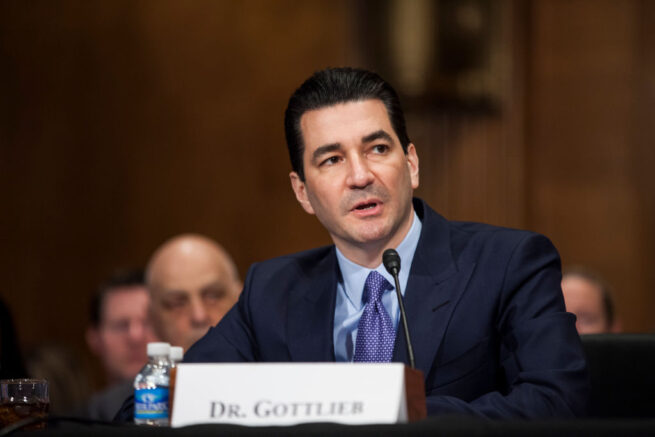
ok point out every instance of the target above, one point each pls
(174, 303)
(380, 149)
(118, 326)
(330, 161)
(213, 295)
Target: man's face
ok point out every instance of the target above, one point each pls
(121, 338)
(190, 293)
(358, 181)
(583, 299)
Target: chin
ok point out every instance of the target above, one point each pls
(373, 238)
(373, 235)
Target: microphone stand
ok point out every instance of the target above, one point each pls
(391, 261)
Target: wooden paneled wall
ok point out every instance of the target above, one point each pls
(591, 142)
(123, 123)
(572, 153)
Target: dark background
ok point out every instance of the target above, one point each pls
(124, 122)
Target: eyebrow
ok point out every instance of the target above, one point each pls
(174, 292)
(320, 151)
(377, 135)
(217, 285)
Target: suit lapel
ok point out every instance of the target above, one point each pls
(310, 317)
(435, 285)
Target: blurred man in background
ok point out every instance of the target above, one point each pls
(193, 282)
(589, 297)
(118, 334)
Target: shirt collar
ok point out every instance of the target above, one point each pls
(354, 275)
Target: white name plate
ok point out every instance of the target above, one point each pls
(260, 394)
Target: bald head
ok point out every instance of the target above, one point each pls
(193, 282)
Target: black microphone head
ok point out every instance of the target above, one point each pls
(391, 261)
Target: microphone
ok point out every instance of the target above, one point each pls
(391, 261)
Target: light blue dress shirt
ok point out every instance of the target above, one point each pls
(349, 306)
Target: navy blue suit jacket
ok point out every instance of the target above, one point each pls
(485, 313)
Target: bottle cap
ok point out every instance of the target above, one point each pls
(176, 353)
(158, 348)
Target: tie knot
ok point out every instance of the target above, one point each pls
(375, 286)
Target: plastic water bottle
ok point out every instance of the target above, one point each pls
(151, 387)
(175, 355)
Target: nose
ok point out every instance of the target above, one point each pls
(199, 316)
(359, 172)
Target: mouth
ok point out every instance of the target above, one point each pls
(367, 207)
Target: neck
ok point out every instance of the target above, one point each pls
(369, 254)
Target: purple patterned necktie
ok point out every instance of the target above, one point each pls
(375, 333)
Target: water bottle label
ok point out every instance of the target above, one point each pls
(151, 403)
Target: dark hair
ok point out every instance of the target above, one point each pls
(332, 86)
(120, 279)
(11, 359)
(606, 293)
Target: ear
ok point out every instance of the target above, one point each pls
(92, 336)
(412, 164)
(300, 189)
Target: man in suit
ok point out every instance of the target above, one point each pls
(484, 304)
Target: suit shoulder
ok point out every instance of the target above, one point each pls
(495, 237)
(303, 258)
(299, 263)
(484, 230)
